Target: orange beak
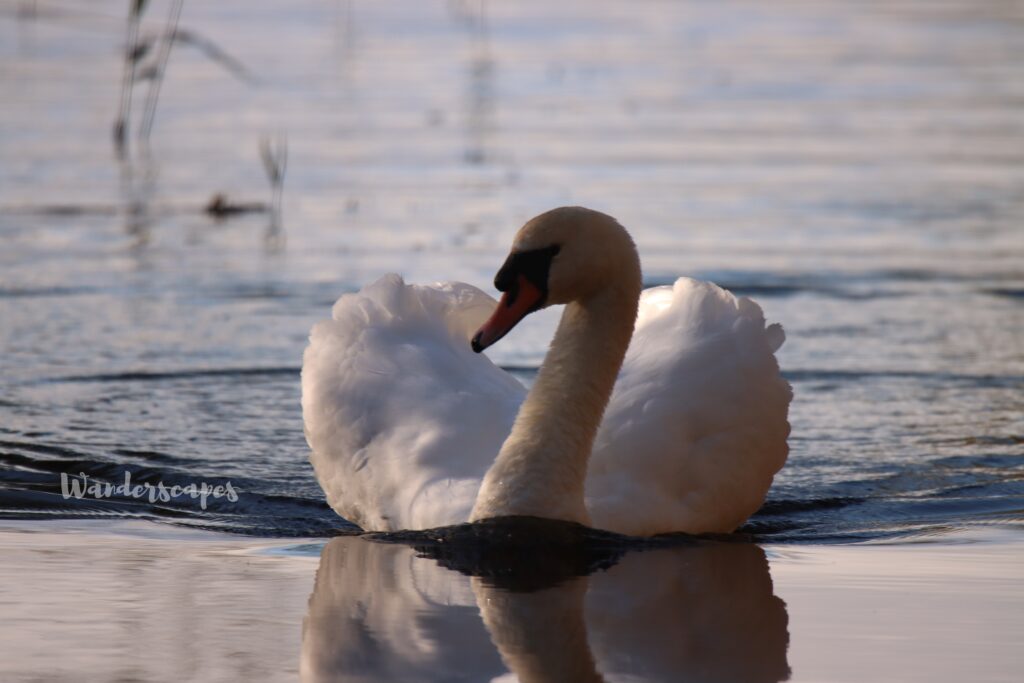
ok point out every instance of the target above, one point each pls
(520, 300)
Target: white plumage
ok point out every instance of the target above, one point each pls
(696, 427)
(404, 420)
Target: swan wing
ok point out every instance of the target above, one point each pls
(696, 426)
(402, 417)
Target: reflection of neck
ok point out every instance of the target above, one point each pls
(541, 636)
(542, 466)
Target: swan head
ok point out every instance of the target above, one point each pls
(561, 256)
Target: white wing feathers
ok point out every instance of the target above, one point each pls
(696, 426)
(403, 418)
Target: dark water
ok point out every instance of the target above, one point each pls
(857, 168)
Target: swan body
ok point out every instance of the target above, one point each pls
(654, 411)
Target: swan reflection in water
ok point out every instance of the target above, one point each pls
(699, 612)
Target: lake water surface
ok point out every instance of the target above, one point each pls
(857, 168)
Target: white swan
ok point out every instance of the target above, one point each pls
(410, 429)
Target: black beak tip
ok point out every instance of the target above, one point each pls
(475, 343)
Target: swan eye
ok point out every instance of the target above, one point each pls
(533, 264)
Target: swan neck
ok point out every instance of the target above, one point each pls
(542, 466)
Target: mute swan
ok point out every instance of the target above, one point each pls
(408, 426)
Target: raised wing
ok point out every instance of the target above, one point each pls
(403, 418)
(697, 424)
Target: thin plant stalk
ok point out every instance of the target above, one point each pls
(153, 94)
(274, 154)
(128, 78)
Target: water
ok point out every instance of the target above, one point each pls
(716, 612)
(130, 600)
(857, 168)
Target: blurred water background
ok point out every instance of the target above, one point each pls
(857, 167)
